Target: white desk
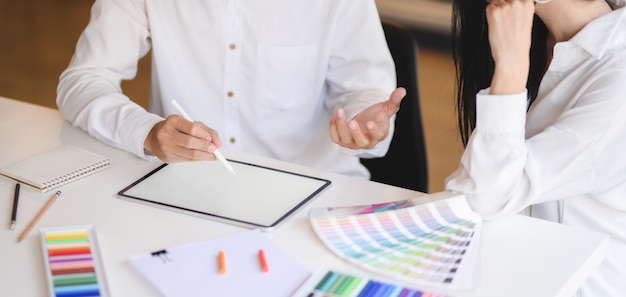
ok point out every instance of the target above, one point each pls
(521, 256)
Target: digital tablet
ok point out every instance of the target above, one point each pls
(255, 197)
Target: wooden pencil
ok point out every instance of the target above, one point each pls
(39, 215)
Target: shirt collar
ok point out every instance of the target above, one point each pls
(602, 34)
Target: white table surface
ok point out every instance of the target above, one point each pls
(520, 256)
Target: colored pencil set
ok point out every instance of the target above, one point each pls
(72, 262)
(340, 284)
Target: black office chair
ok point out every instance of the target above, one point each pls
(405, 164)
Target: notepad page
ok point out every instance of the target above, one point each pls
(192, 269)
(54, 168)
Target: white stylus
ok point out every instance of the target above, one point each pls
(217, 153)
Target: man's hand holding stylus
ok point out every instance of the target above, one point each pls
(176, 140)
(369, 127)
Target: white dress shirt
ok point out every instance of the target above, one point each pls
(567, 153)
(267, 75)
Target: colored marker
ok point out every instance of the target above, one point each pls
(264, 267)
(222, 262)
(328, 282)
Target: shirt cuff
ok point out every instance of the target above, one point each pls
(139, 134)
(500, 113)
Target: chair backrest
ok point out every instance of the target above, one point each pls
(405, 164)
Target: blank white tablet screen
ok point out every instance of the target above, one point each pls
(256, 195)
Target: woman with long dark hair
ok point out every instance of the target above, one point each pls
(541, 102)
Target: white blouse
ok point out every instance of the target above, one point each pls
(566, 154)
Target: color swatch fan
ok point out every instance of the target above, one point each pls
(432, 246)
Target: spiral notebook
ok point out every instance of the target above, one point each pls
(57, 167)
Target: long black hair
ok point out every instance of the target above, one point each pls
(474, 64)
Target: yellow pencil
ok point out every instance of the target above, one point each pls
(39, 215)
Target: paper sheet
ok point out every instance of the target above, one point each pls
(193, 269)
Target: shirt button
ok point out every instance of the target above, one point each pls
(230, 94)
(232, 46)
(232, 140)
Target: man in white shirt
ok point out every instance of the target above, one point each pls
(310, 82)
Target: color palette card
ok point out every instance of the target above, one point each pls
(334, 283)
(73, 264)
(432, 245)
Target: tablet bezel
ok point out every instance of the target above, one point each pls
(324, 184)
